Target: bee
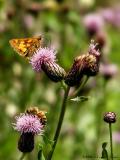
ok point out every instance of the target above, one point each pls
(41, 114)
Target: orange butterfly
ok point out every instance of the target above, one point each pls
(26, 47)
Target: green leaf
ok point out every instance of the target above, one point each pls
(40, 154)
(80, 99)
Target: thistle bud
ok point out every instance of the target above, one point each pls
(53, 71)
(110, 117)
(74, 76)
(26, 142)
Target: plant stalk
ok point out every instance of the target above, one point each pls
(111, 145)
(61, 117)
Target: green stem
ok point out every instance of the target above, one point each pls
(22, 156)
(61, 117)
(81, 86)
(111, 146)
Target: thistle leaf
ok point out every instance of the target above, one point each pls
(80, 99)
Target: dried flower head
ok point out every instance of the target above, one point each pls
(110, 117)
(87, 64)
(74, 76)
(91, 61)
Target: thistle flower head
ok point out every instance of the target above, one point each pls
(93, 23)
(41, 56)
(28, 123)
(86, 64)
(91, 60)
(110, 117)
(112, 16)
(108, 70)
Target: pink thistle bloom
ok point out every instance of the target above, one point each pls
(108, 70)
(27, 123)
(116, 137)
(93, 23)
(108, 14)
(112, 15)
(43, 55)
(93, 49)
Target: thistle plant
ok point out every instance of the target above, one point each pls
(110, 117)
(28, 124)
(44, 59)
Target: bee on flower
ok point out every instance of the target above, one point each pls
(29, 124)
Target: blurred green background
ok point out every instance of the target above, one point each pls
(83, 130)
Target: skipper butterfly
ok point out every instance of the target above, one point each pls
(26, 47)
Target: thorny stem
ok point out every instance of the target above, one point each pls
(111, 146)
(61, 117)
(22, 156)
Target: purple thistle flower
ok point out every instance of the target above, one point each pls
(108, 70)
(93, 49)
(28, 123)
(93, 23)
(112, 16)
(116, 137)
(41, 56)
(108, 14)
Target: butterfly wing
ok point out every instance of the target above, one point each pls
(26, 47)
